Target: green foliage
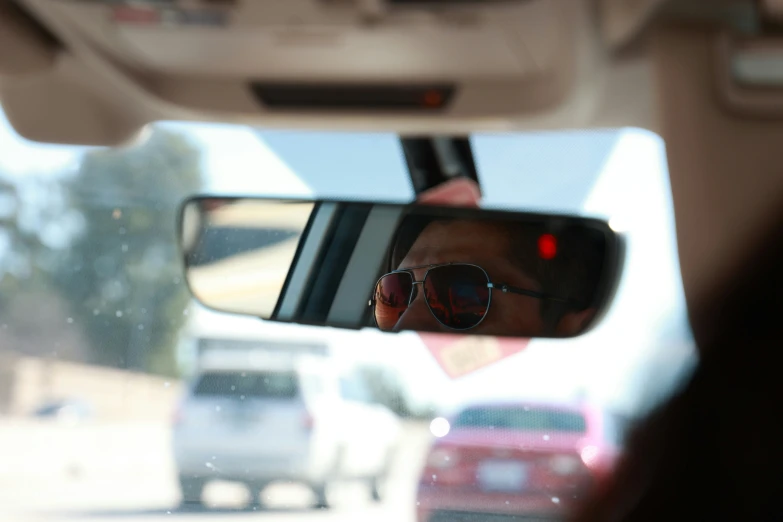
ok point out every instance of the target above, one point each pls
(122, 275)
(19, 246)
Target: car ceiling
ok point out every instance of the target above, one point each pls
(723, 151)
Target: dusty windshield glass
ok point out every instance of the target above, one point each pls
(523, 418)
(281, 385)
(120, 397)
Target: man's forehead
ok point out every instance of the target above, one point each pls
(445, 239)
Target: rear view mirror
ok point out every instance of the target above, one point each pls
(400, 267)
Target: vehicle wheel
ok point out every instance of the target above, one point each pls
(321, 496)
(378, 488)
(256, 495)
(378, 483)
(335, 473)
(191, 489)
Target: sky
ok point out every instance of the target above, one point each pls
(619, 175)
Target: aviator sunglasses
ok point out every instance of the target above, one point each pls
(457, 294)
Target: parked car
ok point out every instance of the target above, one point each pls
(514, 459)
(70, 411)
(294, 419)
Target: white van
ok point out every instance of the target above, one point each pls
(255, 416)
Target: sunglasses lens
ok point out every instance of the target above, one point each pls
(391, 299)
(457, 294)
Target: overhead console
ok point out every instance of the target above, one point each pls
(405, 65)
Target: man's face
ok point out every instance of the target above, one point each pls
(484, 245)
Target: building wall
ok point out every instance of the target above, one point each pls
(114, 395)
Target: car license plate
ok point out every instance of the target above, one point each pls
(502, 475)
(247, 416)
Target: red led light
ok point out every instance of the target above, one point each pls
(433, 99)
(547, 246)
(129, 14)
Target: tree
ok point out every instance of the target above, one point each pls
(35, 225)
(9, 239)
(122, 274)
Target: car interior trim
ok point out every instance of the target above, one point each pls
(349, 307)
(302, 271)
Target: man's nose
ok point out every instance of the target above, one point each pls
(417, 317)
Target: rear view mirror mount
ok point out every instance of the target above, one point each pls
(400, 267)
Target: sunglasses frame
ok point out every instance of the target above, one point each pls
(505, 288)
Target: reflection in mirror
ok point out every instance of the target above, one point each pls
(400, 267)
(534, 281)
(238, 252)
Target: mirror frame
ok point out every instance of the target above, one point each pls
(608, 283)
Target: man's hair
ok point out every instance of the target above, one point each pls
(574, 273)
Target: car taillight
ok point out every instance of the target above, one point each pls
(442, 458)
(565, 464)
(589, 456)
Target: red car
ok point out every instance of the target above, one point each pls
(506, 461)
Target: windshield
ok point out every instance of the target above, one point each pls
(521, 419)
(102, 347)
(278, 385)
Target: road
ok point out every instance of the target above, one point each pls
(100, 473)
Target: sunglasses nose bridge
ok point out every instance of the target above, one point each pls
(414, 291)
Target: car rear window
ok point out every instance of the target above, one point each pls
(522, 419)
(279, 385)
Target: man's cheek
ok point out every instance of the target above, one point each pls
(523, 320)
